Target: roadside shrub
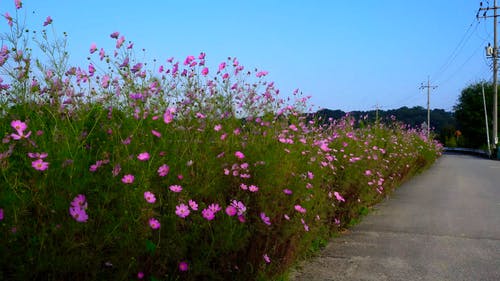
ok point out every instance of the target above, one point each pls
(176, 173)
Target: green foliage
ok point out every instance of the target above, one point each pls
(82, 157)
(469, 113)
(46, 237)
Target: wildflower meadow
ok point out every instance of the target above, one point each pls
(126, 170)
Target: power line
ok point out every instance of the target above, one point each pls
(456, 51)
(462, 65)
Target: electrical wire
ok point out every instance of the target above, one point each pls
(462, 65)
(456, 51)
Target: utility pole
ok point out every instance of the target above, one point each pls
(493, 53)
(486, 121)
(429, 87)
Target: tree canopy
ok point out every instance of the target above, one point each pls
(469, 114)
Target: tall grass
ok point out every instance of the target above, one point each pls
(113, 171)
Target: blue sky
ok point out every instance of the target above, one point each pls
(348, 55)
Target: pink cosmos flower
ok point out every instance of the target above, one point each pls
(18, 4)
(78, 207)
(193, 205)
(9, 18)
(300, 209)
(140, 275)
(222, 65)
(154, 223)
(163, 170)
(310, 175)
(253, 188)
(18, 125)
(150, 197)
(239, 154)
(105, 81)
(175, 69)
(47, 21)
(182, 210)
(37, 155)
(188, 60)
(144, 156)
(306, 227)
(214, 207)
(94, 167)
(1, 214)
(116, 170)
(287, 191)
(261, 74)
(338, 196)
(114, 35)
(40, 165)
(265, 218)
(137, 67)
(156, 133)
(175, 188)
(78, 214)
(208, 214)
(231, 210)
(93, 48)
(183, 266)
(119, 42)
(243, 186)
(91, 70)
(128, 179)
(240, 207)
(266, 258)
(168, 115)
(368, 173)
(204, 71)
(217, 127)
(102, 54)
(79, 201)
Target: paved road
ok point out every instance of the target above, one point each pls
(442, 225)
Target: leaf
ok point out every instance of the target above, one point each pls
(150, 246)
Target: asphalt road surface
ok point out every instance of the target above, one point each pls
(441, 225)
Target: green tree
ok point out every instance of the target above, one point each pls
(469, 113)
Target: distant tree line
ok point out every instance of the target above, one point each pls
(464, 127)
(442, 122)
